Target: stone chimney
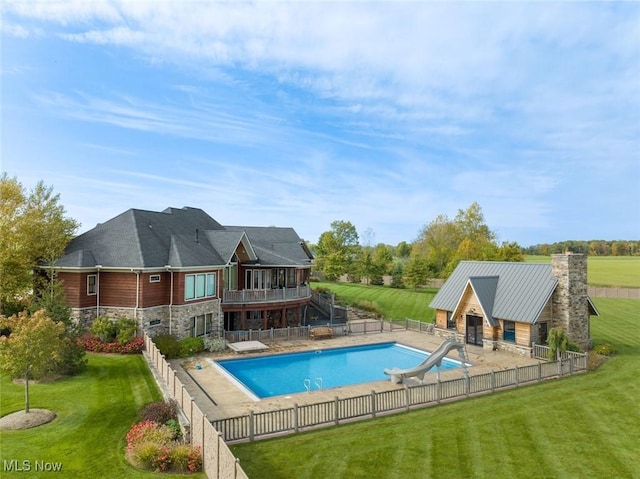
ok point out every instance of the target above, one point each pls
(570, 300)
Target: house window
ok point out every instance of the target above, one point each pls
(202, 325)
(509, 333)
(199, 286)
(92, 282)
(154, 278)
(257, 279)
(154, 322)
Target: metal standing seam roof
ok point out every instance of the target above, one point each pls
(513, 291)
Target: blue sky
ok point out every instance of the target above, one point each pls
(299, 114)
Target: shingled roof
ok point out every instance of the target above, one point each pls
(513, 291)
(179, 238)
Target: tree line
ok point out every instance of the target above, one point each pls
(440, 246)
(591, 248)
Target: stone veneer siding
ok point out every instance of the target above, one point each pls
(180, 317)
(570, 300)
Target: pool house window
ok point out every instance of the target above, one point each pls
(509, 333)
(199, 286)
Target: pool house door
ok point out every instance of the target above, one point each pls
(474, 329)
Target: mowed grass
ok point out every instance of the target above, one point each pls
(609, 271)
(585, 426)
(393, 303)
(94, 412)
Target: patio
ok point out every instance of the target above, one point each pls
(220, 398)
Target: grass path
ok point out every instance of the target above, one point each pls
(578, 427)
(95, 410)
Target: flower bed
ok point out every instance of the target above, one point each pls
(94, 345)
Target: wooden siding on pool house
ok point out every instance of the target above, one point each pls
(511, 306)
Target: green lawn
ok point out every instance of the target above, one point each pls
(394, 303)
(578, 427)
(95, 410)
(621, 271)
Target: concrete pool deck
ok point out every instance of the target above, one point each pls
(219, 397)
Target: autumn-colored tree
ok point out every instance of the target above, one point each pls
(34, 228)
(34, 343)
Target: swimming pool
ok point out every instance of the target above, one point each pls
(291, 373)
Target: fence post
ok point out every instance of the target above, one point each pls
(571, 365)
(539, 371)
(439, 391)
(373, 403)
(517, 377)
(295, 417)
(560, 367)
(493, 381)
(467, 385)
(217, 453)
(251, 426)
(204, 422)
(336, 403)
(407, 397)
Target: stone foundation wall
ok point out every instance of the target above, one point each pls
(158, 319)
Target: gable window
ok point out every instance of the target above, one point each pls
(509, 332)
(92, 282)
(199, 286)
(154, 278)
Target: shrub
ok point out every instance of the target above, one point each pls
(143, 454)
(162, 460)
(217, 344)
(190, 346)
(186, 458)
(174, 425)
(604, 349)
(93, 344)
(104, 329)
(159, 412)
(125, 330)
(146, 432)
(168, 345)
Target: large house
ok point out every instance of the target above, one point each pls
(511, 306)
(180, 271)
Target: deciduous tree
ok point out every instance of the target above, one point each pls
(34, 343)
(336, 249)
(34, 228)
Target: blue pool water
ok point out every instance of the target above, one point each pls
(279, 374)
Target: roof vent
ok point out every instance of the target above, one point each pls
(197, 235)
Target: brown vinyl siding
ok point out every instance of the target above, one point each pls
(154, 294)
(118, 289)
(75, 289)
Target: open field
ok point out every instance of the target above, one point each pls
(95, 410)
(394, 303)
(583, 426)
(611, 271)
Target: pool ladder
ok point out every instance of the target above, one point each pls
(307, 384)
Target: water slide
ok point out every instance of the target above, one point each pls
(434, 359)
